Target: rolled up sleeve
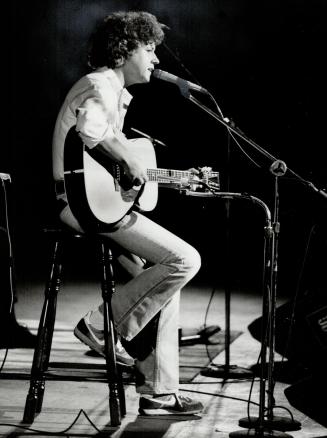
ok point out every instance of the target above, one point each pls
(96, 117)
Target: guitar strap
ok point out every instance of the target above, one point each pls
(61, 204)
(60, 190)
(60, 187)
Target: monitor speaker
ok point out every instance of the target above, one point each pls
(301, 334)
(301, 323)
(309, 397)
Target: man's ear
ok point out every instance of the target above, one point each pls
(120, 62)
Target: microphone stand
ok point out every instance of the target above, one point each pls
(278, 168)
(258, 428)
(227, 370)
(270, 421)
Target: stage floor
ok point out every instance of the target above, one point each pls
(226, 402)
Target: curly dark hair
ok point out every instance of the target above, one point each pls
(119, 34)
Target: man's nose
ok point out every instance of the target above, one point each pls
(155, 59)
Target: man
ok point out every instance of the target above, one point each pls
(146, 308)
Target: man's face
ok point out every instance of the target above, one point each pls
(140, 64)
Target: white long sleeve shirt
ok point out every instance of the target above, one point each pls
(97, 106)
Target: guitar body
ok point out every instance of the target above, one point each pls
(98, 192)
(110, 199)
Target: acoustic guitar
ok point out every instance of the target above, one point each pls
(99, 192)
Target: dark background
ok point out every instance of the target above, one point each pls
(264, 62)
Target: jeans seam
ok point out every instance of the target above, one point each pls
(157, 359)
(147, 295)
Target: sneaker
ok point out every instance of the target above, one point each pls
(94, 339)
(171, 404)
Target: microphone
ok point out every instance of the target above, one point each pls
(5, 176)
(182, 83)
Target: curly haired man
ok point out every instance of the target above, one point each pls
(146, 308)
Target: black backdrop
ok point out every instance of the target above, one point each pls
(263, 62)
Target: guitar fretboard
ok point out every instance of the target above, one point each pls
(167, 175)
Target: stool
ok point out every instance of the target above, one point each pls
(40, 365)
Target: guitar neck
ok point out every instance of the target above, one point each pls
(167, 175)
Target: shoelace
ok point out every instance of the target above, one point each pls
(180, 399)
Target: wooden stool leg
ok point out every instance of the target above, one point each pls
(121, 391)
(117, 404)
(42, 351)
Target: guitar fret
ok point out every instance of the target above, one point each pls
(166, 175)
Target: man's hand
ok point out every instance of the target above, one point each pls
(118, 149)
(135, 171)
(194, 171)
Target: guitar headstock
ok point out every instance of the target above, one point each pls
(193, 180)
(209, 179)
(204, 181)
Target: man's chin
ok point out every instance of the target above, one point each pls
(147, 77)
(142, 80)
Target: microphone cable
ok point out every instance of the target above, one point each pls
(194, 79)
(6, 229)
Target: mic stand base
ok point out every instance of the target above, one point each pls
(186, 337)
(259, 433)
(227, 372)
(275, 423)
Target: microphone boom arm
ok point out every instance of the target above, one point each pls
(231, 126)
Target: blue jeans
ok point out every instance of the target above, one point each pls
(173, 263)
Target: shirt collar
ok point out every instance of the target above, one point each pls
(121, 91)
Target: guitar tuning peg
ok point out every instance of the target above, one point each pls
(205, 169)
(208, 169)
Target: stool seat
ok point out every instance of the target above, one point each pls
(60, 236)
